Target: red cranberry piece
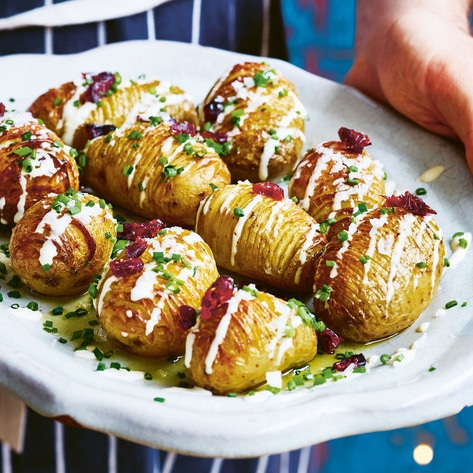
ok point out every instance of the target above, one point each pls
(328, 341)
(357, 360)
(93, 131)
(213, 109)
(353, 140)
(179, 128)
(410, 202)
(100, 85)
(136, 248)
(187, 316)
(218, 136)
(134, 230)
(126, 267)
(2, 109)
(269, 189)
(217, 296)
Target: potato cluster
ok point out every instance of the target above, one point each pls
(214, 258)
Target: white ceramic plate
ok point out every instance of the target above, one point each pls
(434, 380)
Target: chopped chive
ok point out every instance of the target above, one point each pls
(343, 236)
(385, 358)
(451, 304)
(238, 212)
(57, 310)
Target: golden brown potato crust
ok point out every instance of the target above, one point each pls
(263, 118)
(34, 163)
(49, 106)
(64, 110)
(55, 250)
(256, 236)
(140, 312)
(257, 333)
(381, 277)
(331, 180)
(154, 172)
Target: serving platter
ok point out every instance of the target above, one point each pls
(432, 377)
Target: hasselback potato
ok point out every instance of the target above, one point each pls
(242, 334)
(62, 242)
(34, 163)
(262, 117)
(147, 299)
(107, 99)
(333, 178)
(156, 171)
(377, 276)
(257, 233)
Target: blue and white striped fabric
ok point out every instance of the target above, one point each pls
(60, 27)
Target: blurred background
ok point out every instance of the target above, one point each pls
(320, 35)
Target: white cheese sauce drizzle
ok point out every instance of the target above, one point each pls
(241, 224)
(222, 328)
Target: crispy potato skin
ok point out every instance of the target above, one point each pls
(53, 169)
(374, 298)
(63, 111)
(326, 184)
(148, 191)
(77, 247)
(274, 242)
(252, 342)
(139, 314)
(265, 123)
(49, 106)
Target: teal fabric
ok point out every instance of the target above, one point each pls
(320, 35)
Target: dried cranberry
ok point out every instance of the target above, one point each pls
(122, 268)
(213, 109)
(356, 360)
(410, 202)
(218, 136)
(93, 131)
(136, 248)
(217, 296)
(2, 109)
(328, 341)
(133, 230)
(187, 316)
(269, 189)
(100, 85)
(353, 140)
(179, 128)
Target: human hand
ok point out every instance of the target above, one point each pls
(417, 56)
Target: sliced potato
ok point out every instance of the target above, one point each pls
(34, 163)
(260, 113)
(161, 171)
(380, 273)
(108, 99)
(147, 304)
(242, 334)
(62, 242)
(332, 180)
(267, 239)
